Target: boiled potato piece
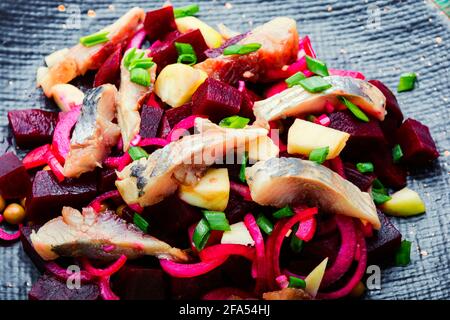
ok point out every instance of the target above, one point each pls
(211, 192)
(305, 136)
(262, 149)
(404, 203)
(314, 279)
(56, 57)
(177, 83)
(67, 96)
(238, 235)
(212, 38)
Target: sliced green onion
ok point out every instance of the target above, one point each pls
(186, 53)
(296, 244)
(365, 167)
(94, 39)
(403, 255)
(294, 80)
(319, 155)
(406, 82)
(379, 198)
(140, 222)
(316, 66)
(357, 112)
(234, 122)
(243, 167)
(140, 76)
(283, 213)
(295, 282)
(397, 153)
(201, 234)
(217, 220)
(379, 187)
(265, 224)
(186, 11)
(129, 57)
(314, 84)
(241, 49)
(142, 63)
(137, 153)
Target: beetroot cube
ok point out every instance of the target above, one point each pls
(164, 128)
(216, 100)
(150, 119)
(175, 115)
(15, 182)
(195, 288)
(386, 170)
(109, 72)
(416, 142)
(32, 127)
(159, 22)
(106, 180)
(362, 180)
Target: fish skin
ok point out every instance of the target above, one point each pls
(75, 234)
(289, 181)
(95, 133)
(181, 162)
(80, 59)
(297, 101)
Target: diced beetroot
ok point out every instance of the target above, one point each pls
(237, 272)
(139, 283)
(109, 72)
(164, 128)
(150, 119)
(362, 180)
(49, 288)
(386, 170)
(32, 127)
(216, 100)
(166, 53)
(15, 182)
(237, 208)
(248, 100)
(159, 22)
(215, 52)
(25, 232)
(106, 180)
(175, 115)
(48, 196)
(416, 142)
(383, 245)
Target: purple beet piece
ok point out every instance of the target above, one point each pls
(48, 196)
(49, 288)
(383, 245)
(159, 22)
(391, 174)
(175, 115)
(15, 182)
(32, 127)
(248, 100)
(362, 180)
(237, 208)
(416, 142)
(237, 272)
(25, 232)
(106, 180)
(164, 128)
(150, 119)
(216, 100)
(139, 283)
(215, 52)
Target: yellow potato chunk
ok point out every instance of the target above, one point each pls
(212, 38)
(404, 203)
(67, 96)
(314, 279)
(238, 235)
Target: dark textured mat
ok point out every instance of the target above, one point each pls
(381, 38)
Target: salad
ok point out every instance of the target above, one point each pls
(205, 164)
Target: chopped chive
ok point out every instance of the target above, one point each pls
(140, 76)
(357, 112)
(241, 49)
(201, 234)
(365, 167)
(94, 39)
(283, 213)
(379, 187)
(295, 282)
(314, 84)
(311, 118)
(379, 198)
(186, 53)
(317, 67)
(129, 57)
(406, 82)
(296, 244)
(140, 222)
(142, 63)
(137, 153)
(234, 122)
(319, 155)
(265, 224)
(243, 167)
(294, 80)
(397, 153)
(217, 220)
(186, 11)
(403, 255)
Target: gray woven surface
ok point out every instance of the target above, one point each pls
(380, 38)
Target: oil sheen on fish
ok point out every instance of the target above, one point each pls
(289, 181)
(94, 132)
(80, 59)
(297, 101)
(103, 236)
(149, 181)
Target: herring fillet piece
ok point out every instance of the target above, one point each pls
(75, 234)
(297, 101)
(149, 181)
(94, 132)
(285, 181)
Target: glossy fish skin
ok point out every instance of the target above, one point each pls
(149, 181)
(288, 181)
(94, 133)
(80, 59)
(296, 101)
(87, 234)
